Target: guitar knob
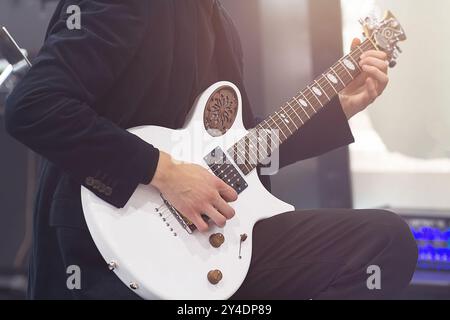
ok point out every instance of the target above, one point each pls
(392, 64)
(215, 276)
(216, 240)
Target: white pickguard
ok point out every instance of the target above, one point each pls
(148, 254)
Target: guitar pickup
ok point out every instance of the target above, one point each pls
(225, 170)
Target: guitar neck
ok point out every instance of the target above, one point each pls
(259, 144)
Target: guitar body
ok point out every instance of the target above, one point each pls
(149, 244)
(149, 248)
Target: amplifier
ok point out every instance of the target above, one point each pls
(431, 230)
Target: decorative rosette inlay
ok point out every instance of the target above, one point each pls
(220, 111)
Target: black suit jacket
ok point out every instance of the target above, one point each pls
(133, 63)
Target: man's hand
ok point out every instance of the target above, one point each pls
(194, 192)
(369, 85)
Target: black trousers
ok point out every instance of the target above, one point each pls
(327, 254)
(322, 254)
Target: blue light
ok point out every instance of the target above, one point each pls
(434, 247)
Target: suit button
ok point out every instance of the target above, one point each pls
(108, 191)
(96, 185)
(90, 181)
(102, 188)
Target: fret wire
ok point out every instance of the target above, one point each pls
(337, 75)
(295, 111)
(318, 99)
(324, 91)
(308, 103)
(255, 142)
(337, 69)
(244, 160)
(285, 124)
(290, 114)
(244, 164)
(258, 151)
(267, 123)
(341, 69)
(288, 118)
(300, 105)
(350, 57)
(270, 136)
(357, 59)
(252, 134)
(331, 85)
(279, 128)
(354, 61)
(345, 68)
(359, 48)
(340, 75)
(315, 96)
(296, 127)
(237, 147)
(250, 149)
(325, 84)
(238, 155)
(307, 100)
(312, 95)
(269, 128)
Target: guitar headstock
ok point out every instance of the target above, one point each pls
(385, 35)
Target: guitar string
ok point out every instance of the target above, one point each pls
(309, 94)
(339, 68)
(168, 217)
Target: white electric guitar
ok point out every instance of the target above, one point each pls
(158, 253)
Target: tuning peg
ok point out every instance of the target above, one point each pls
(399, 49)
(392, 64)
(395, 55)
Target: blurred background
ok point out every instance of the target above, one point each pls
(401, 160)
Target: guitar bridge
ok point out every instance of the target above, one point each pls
(185, 223)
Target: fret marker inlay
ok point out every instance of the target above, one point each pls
(317, 91)
(332, 78)
(267, 137)
(349, 64)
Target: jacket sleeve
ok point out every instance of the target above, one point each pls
(327, 131)
(51, 110)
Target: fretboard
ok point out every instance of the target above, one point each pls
(259, 144)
